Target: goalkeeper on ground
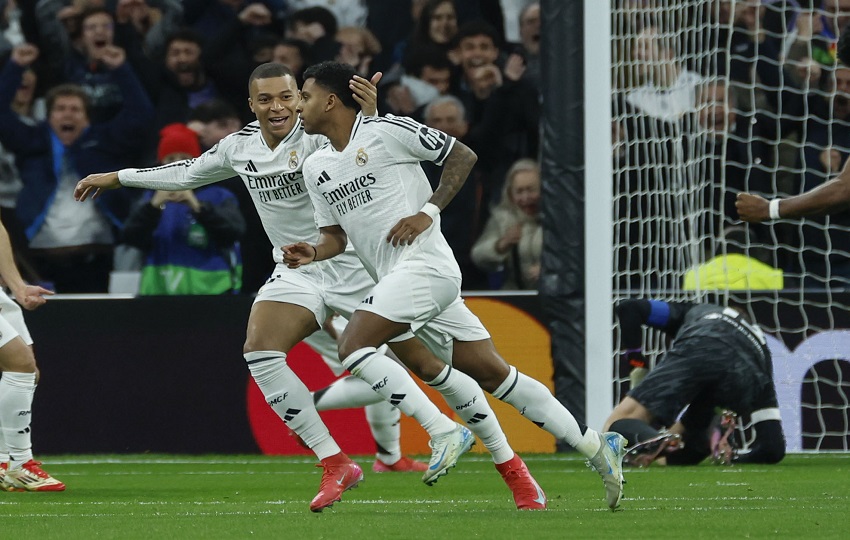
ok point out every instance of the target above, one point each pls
(717, 367)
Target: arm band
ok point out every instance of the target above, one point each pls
(773, 208)
(431, 210)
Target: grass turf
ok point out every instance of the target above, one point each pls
(158, 496)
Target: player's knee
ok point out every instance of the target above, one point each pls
(17, 357)
(355, 360)
(348, 344)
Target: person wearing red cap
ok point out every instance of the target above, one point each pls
(190, 237)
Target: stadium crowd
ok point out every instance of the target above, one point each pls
(93, 85)
(750, 95)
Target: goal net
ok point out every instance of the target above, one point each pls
(711, 98)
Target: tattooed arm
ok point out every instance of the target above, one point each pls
(456, 168)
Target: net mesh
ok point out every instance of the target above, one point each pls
(715, 97)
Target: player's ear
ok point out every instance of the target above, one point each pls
(331, 103)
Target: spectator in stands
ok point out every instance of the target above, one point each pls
(151, 20)
(351, 13)
(11, 31)
(512, 241)
(292, 53)
(190, 237)
(30, 110)
(184, 83)
(358, 46)
(503, 110)
(430, 65)
(84, 64)
(718, 359)
(459, 220)
(317, 27)
(241, 38)
(669, 89)
(70, 246)
(435, 27)
(529, 47)
(403, 95)
(212, 121)
(215, 20)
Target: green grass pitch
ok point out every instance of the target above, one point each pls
(234, 497)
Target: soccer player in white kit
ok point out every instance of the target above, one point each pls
(268, 156)
(367, 187)
(18, 470)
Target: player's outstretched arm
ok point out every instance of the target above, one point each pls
(456, 169)
(829, 197)
(332, 242)
(94, 185)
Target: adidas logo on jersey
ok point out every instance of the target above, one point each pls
(251, 167)
(367, 300)
(323, 178)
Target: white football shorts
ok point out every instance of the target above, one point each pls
(455, 323)
(337, 285)
(12, 322)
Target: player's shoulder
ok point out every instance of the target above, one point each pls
(239, 139)
(391, 122)
(321, 153)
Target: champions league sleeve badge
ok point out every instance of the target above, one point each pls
(362, 158)
(293, 159)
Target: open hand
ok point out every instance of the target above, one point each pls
(94, 185)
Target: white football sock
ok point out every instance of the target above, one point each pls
(290, 399)
(535, 402)
(346, 393)
(16, 391)
(394, 384)
(383, 421)
(468, 401)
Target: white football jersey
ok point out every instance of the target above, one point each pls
(272, 177)
(376, 181)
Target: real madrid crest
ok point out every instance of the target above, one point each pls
(362, 157)
(293, 160)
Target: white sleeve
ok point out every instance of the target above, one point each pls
(321, 210)
(409, 140)
(212, 166)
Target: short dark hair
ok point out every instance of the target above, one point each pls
(95, 10)
(334, 77)
(842, 51)
(67, 90)
(427, 55)
(477, 27)
(269, 70)
(184, 34)
(316, 14)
